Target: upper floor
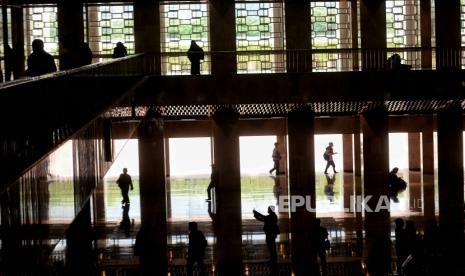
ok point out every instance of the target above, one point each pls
(246, 37)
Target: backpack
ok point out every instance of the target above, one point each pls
(326, 156)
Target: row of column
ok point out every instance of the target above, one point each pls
(371, 154)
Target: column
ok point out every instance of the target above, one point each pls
(228, 192)
(428, 170)
(302, 184)
(348, 164)
(425, 27)
(79, 257)
(374, 126)
(153, 194)
(358, 191)
(448, 37)
(223, 36)
(298, 36)
(450, 183)
(373, 34)
(70, 22)
(147, 32)
(414, 161)
(17, 36)
(169, 212)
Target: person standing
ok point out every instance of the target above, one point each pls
(401, 245)
(321, 245)
(213, 182)
(328, 156)
(276, 157)
(271, 230)
(196, 249)
(124, 182)
(39, 62)
(120, 50)
(195, 54)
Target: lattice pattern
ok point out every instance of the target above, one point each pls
(403, 28)
(107, 25)
(259, 32)
(331, 29)
(180, 23)
(282, 109)
(40, 22)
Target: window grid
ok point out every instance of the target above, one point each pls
(108, 24)
(40, 22)
(403, 29)
(180, 23)
(331, 29)
(260, 37)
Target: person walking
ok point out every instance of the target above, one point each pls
(328, 156)
(124, 182)
(196, 249)
(276, 157)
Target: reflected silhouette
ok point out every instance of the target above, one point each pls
(276, 188)
(329, 188)
(125, 223)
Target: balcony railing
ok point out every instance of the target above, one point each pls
(315, 60)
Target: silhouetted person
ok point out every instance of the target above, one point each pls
(414, 248)
(276, 188)
(329, 188)
(396, 184)
(401, 244)
(125, 223)
(394, 62)
(124, 183)
(328, 156)
(432, 245)
(271, 230)
(213, 181)
(379, 260)
(195, 54)
(39, 61)
(74, 53)
(143, 249)
(321, 243)
(276, 155)
(119, 51)
(196, 249)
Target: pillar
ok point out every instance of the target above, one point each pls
(348, 164)
(17, 36)
(228, 192)
(147, 32)
(374, 126)
(425, 27)
(448, 33)
(373, 34)
(298, 36)
(428, 170)
(302, 183)
(169, 212)
(414, 161)
(153, 194)
(70, 21)
(450, 182)
(223, 36)
(358, 191)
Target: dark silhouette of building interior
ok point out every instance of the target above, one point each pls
(287, 69)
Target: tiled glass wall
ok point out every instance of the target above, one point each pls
(40, 22)
(260, 37)
(331, 29)
(403, 29)
(108, 24)
(180, 23)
